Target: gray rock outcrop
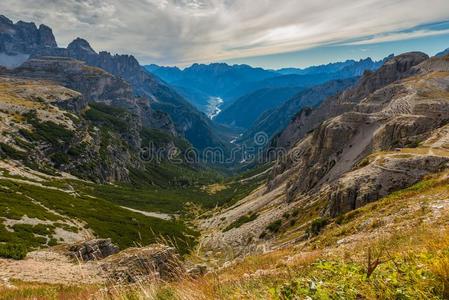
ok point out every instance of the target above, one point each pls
(23, 37)
(154, 262)
(92, 250)
(393, 70)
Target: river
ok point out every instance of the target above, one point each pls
(213, 107)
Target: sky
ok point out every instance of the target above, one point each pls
(266, 33)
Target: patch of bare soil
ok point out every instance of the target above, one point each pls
(48, 266)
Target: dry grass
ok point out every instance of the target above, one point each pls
(407, 231)
(212, 189)
(38, 291)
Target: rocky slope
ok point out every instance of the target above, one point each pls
(392, 70)
(189, 122)
(384, 134)
(275, 120)
(55, 128)
(443, 53)
(196, 127)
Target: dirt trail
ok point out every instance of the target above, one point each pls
(257, 175)
(157, 215)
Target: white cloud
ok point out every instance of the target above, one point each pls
(186, 31)
(398, 36)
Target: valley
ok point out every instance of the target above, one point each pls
(220, 181)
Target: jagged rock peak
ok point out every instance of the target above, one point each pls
(46, 36)
(393, 69)
(24, 37)
(443, 53)
(80, 44)
(5, 20)
(406, 60)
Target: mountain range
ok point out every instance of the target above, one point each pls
(345, 197)
(189, 122)
(249, 92)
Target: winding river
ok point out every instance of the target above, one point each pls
(213, 107)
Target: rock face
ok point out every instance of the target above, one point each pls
(443, 53)
(394, 69)
(197, 271)
(276, 120)
(380, 178)
(386, 133)
(392, 116)
(96, 85)
(155, 262)
(189, 122)
(23, 37)
(92, 250)
(106, 127)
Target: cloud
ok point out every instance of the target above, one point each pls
(186, 31)
(397, 36)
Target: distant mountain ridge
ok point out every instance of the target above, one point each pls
(443, 53)
(251, 102)
(216, 79)
(200, 82)
(358, 67)
(311, 76)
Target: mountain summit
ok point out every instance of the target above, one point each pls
(80, 44)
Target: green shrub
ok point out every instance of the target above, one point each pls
(317, 225)
(242, 220)
(46, 131)
(60, 158)
(10, 152)
(77, 150)
(108, 116)
(14, 251)
(52, 242)
(275, 226)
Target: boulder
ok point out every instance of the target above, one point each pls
(92, 250)
(197, 271)
(154, 262)
(383, 176)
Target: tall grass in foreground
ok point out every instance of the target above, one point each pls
(416, 266)
(398, 249)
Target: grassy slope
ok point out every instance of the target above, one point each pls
(408, 231)
(103, 217)
(174, 196)
(98, 207)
